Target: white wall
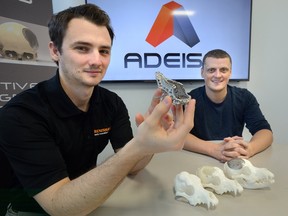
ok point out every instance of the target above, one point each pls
(63, 4)
(269, 57)
(268, 76)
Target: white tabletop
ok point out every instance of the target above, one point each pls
(151, 191)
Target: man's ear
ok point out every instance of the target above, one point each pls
(202, 71)
(54, 53)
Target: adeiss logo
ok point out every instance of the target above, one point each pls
(172, 20)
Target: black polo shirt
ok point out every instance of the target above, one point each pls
(46, 138)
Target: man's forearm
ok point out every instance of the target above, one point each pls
(141, 165)
(260, 141)
(87, 192)
(197, 145)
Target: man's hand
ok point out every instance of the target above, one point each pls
(166, 120)
(156, 132)
(233, 147)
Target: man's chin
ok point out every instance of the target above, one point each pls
(218, 87)
(93, 84)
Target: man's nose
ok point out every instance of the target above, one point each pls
(95, 58)
(217, 73)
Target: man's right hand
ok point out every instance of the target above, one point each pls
(153, 135)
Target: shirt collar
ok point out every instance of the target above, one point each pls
(59, 100)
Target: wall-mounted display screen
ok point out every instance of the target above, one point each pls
(173, 36)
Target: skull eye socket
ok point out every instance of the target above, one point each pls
(216, 180)
(236, 163)
(209, 173)
(246, 171)
(189, 190)
(11, 54)
(27, 56)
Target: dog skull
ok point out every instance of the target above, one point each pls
(214, 178)
(247, 175)
(188, 188)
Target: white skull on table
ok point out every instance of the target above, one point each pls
(188, 188)
(247, 175)
(214, 178)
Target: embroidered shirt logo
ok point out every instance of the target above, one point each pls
(101, 131)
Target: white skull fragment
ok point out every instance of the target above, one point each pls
(247, 175)
(214, 178)
(188, 188)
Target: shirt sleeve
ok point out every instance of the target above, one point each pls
(254, 118)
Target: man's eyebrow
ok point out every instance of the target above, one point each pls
(83, 43)
(224, 67)
(106, 47)
(209, 67)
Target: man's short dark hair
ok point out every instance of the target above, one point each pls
(217, 53)
(58, 24)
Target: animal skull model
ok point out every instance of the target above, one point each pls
(188, 188)
(247, 175)
(214, 178)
